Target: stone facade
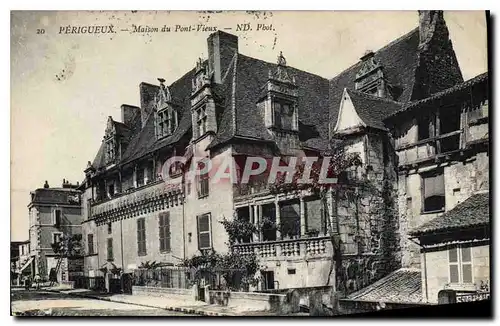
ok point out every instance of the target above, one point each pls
(229, 107)
(438, 273)
(53, 212)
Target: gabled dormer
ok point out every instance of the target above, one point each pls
(202, 102)
(370, 77)
(166, 112)
(280, 97)
(110, 143)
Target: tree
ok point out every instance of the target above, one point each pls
(68, 246)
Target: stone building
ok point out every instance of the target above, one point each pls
(19, 260)
(234, 106)
(442, 148)
(53, 213)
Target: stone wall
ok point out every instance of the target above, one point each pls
(461, 178)
(252, 301)
(367, 214)
(171, 293)
(438, 271)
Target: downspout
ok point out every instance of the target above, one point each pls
(183, 217)
(425, 268)
(121, 240)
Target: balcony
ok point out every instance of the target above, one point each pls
(317, 247)
(429, 149)
(150, 198)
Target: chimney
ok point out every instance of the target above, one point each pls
(46, 185)
(221, 50)
(437, 67)
(148, 93)
(431, 23)
(129, 113)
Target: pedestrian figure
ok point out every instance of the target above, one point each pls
(37, 281)
(27, 282)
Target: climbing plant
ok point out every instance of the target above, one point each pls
(238, 230)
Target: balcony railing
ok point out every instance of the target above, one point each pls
(304, 247)
(429, 148)
(150, 198)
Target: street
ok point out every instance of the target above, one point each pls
(44, 303)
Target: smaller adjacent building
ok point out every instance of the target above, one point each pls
(455, 251)
(53, 213)
(19, 260)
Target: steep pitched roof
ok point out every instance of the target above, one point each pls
(98, 161)
(481, 78)
(473, 212)
(401, 286)
(399, 60)
(145, 141)
(245, 89)
(63, 196)
(372, 109)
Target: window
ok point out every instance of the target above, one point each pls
(57, 217)
(139, 177)
(291, 271)
(110, 228)
(283, 115)
(166, 122)
(111, 190)
(460, 264)
(110, 249)
(141, 237)
(201, 121)
(204, 232)
(56, 237)
(433, 192)
(110, 150)
(164, 226)
(423, 128)
(90, 243)
(203, 181)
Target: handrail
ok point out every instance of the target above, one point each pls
(248, 244)
(429, 140)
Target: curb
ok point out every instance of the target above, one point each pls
(177, 309)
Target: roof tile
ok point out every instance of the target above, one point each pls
(401, 286)
(474, 211)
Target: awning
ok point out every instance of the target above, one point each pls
(28, 263)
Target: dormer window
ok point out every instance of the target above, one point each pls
(284, 114)
(201, 120)
(280, 102)
(166, 119)
(370, 78)
(110, 150)
(110, 142)
(166, 122)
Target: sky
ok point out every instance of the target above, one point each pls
(64, 86)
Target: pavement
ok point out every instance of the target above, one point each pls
(52, 303)
(184, 306)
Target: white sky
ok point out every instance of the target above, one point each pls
(57, 125)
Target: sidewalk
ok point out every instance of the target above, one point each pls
(191, 307)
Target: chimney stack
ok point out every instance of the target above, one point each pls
(431, 23)
(221, 49)
(129, 112)
(46, 185)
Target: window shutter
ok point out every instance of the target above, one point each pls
(434, 186)
(166, 231)
(110, 248)
(204, 233)
(160, 230)
(141, 236)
